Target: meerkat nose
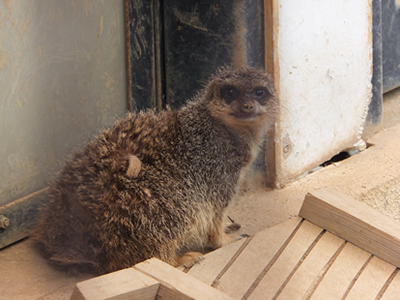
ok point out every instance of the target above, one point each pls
(247, 107)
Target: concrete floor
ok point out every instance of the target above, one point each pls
(372, 176)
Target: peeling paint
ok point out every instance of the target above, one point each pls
(101, 24)
(7, 4)
(190, 18)
(3, 60)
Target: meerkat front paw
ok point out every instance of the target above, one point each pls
(242, 236)
(232, 228)
(189, 259)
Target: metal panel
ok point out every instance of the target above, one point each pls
(374, 118)
(201, 36)
(391, 44)
(62, 78)
(144, 46)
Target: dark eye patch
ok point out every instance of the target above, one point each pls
(260, 93)
(229, 93)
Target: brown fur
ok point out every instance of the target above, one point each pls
(157, 184)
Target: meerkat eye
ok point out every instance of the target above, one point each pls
(259, 94)
(229, 93)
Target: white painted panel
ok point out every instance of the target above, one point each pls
(325, 63)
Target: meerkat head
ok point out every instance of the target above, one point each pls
(241, 98)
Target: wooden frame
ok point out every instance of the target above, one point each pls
(147, 280)
(355, 222)
(349, 252)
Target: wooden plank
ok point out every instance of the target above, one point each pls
(310, 271)
(393, 291)
(341, 274)
(254, 258)
(355, 222)
(124, 284)
(371, 280)
(275, 277)
(176, 284)
(208, 269)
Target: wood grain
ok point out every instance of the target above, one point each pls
(393, 290)
(371, 280)
(341, 274)
(255, 257)
(208, 269)
(120, 285)
(176, 284)
(287, 261)
(313, 268)
(355, 222)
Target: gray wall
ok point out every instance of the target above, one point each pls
(62, 79)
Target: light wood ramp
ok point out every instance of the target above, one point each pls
(301, 260)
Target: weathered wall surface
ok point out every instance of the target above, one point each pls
(325, 71)
(62, 78)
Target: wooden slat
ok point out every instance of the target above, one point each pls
(311, 269)
(176, 284)
(341, 274)
(254, 258)
(393, 290)
(355, 222)
(287, 261)
(208, 269)
(124, 284)
(371, 280)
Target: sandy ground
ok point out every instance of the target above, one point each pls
(372, 176)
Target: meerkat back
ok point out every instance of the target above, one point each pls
(157, 184)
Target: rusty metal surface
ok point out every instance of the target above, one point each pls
(62, 78)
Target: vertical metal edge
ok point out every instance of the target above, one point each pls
(128, 61)
(374, 119)
(159, 70)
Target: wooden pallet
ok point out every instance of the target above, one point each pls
(349, 252)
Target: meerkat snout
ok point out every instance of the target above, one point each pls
(247, 107)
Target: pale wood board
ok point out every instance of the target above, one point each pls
(287, 261)
(120, 285)
(176, 284)
(371, 280)
(393, 291)
(311, 269)
(214, 262)
(355, 222)
(340, 275)
(254, 258)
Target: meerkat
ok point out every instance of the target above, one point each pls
(157, 184)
